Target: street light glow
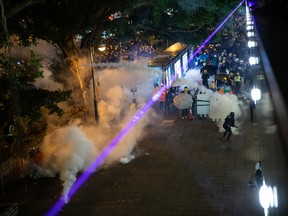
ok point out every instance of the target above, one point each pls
(256, 94)
(249, 27)
(250, 34)
(253, 60)
(251, 44)
(102, 47)
(268, 197)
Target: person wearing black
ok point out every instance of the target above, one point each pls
(252, 106)
(205, 76)
(256, 180)
(169, 100)
(228, 123)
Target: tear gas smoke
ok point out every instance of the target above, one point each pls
(71, 145)
(67, 150)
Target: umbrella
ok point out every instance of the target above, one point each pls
(179, 82)
(183, 101)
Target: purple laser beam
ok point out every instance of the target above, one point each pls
(214, 32)
(99, 160)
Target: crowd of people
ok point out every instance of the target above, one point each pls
(224, 67)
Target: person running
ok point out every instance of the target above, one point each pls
(228, 123)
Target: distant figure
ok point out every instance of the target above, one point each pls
(256, 180)
(228, 123)
(133, 104)
(237, 81)
(161, 99)
(183, 102)
(205, 76)
(213, 86)
(185, 111)
(230, 81)
(252, 106)
(169, 100)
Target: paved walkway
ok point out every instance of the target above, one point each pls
(181, 168)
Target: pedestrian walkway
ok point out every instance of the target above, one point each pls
(181, 168)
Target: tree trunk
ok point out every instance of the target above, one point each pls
(71, 71)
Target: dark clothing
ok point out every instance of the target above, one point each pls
(184, 112)
(256, 179)
(252, 107)
(259, 178)
(205, 77)
(230, 81)
(210, 70)
(169, 100)
(228, 123)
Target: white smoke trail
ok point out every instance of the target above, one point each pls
(67, 151)
(220, 104)
(71, 144)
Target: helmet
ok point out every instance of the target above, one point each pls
(232, 114)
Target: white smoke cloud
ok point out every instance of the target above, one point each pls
(72, 144)
(220, 104)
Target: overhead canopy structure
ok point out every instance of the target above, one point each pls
(167, 55)
(174, 49)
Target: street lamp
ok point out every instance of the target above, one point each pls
(101, 48)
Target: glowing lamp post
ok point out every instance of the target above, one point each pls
(101, 48)
(256, 94)
(268, 197)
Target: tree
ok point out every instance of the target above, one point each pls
(60, 21)
(31, 98)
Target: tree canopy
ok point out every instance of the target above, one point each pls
(58, 20)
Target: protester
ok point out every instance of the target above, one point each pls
(256, 180)
(252, 106)
(162, 97)
(170, 94)
(205, 76)
(228, 123)
(183, 102)
(185, 111)
(237, 81)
